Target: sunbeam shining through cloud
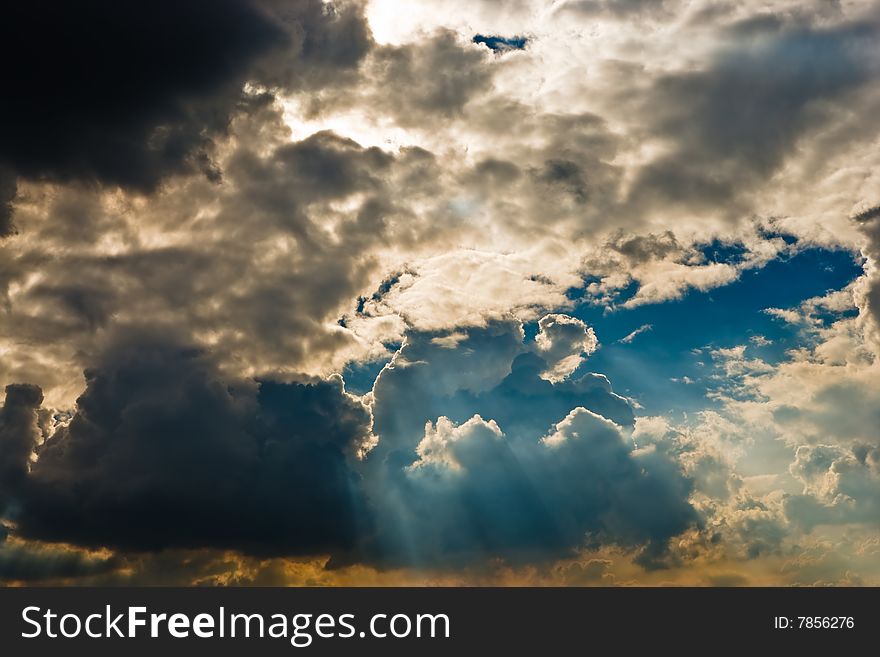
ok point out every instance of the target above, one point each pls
(446, 292)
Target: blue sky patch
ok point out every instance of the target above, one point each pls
(501, 44)
(668, 367)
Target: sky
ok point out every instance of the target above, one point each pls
(456, 292)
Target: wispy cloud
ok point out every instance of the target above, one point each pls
(644, 328)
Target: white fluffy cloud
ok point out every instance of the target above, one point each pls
(563, 342)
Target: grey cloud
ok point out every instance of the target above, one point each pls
(437, 76)
(566, 175)
(472, 492)
(846, 410)
(259, 271)
(492, 172)
(423, 374)
(82, 304)
(622, 8)
(490, 372)
(7, 194)
(456, 438)
(324, 166)
(30, 564)
(735, 122)
(163, 452)
(642, 248)
(327, 43)
(868, 222)
(557, 169)
(97, 101)
(19, 432)
(423, 83)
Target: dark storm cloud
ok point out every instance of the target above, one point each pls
(161, 452)
(18, 434)
(7, 194)
(329, 41)
(733, 123)
(128, 93)
(30, 563)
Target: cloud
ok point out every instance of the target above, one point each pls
(661, 267)
(29, 563)
(736, 524)
(260, 269)
(563, 342)
(162, 452)
(19, 432)
(752, 103)
(97, 101)
(621, 8)
(840, 486)
(7, 194)
(868, 291)
(415, 204)
(534, 479)
(470, 288)
(629, 337)
(428, 81)
(494, 495)
(491, 372)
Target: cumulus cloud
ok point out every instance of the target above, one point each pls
(563, 342)
(491, 494)
(491, 372)
(260, 269)
(162, 452)
(840, 486)
(661, 267)
(471, 287)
